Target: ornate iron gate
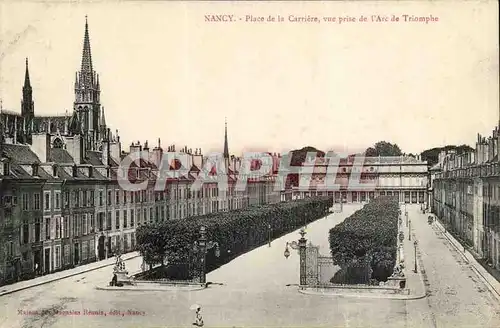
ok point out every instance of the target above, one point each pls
(319, 269)
(312, 253)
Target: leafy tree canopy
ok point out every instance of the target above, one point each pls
(383, 148)
(432, 155)
(299, 155)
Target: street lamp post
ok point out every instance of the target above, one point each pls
(301, 246)
(409, 230)
(415, 243)
(202, 246)
(269, 232)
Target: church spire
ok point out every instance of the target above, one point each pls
(226, 147)
(87, 97)
(27, 83)
(27, 105)
(103, 118)
(86, 69)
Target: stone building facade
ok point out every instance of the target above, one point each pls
(404, 177)
(61, 203)
(466, 196)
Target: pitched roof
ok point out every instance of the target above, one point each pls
(56, 122)
(93, 158)
(112, 162)
(97, 175)
(59, 155)
(42, 172)
(20, 154)
(16, 171)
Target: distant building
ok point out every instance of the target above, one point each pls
(403, 177)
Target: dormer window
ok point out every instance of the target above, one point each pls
(75, 170)
(6, 168)
(35, 169)
(91, 172)
(54, 170)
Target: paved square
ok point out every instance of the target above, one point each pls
(255, 294)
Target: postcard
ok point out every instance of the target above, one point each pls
(249, 164)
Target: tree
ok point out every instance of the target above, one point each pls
(432, 155)
(371, 152)
(298, 157)
(384, 148)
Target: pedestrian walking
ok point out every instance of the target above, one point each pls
(198, 320)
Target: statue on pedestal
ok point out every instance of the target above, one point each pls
(119, 272)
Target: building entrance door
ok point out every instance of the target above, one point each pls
(37, 262)
(100, 248)
(46, 258)
(109, 246)
(77, 255)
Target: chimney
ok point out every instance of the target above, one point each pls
(74, 146)
(105, 152)
(41, 146)
(157, 155)
(494, 151)
(136, 148)
(197, 159)
(115, 150)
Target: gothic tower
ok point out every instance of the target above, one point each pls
(87, 96)
(102, 127)
(27, 106)
(226, 147)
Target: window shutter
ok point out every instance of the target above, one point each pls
(53, 227)
(32, 234)
(42, 229)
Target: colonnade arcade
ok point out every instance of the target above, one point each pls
(404, 196)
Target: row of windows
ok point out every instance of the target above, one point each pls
(187, 193)
(86, 198)
(85, 224)
(34, 202)
(83, 198)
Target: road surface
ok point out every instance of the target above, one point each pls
(255, 294)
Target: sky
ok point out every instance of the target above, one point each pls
(167, 73)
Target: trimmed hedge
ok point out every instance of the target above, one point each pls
(236, 231)
(367, 236)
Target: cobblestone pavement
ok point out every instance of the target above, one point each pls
(254, 294)
(457, 297)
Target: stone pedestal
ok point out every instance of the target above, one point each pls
(121, 273)
(122, 276)
(399, 282)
